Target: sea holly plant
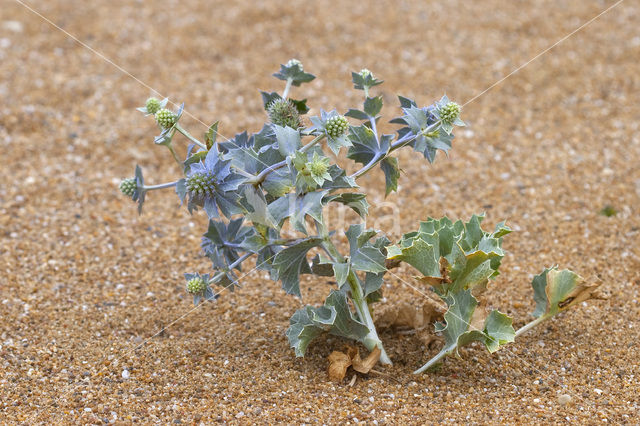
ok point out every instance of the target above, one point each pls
(266, 195)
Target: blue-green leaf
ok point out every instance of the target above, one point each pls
(391, 174)
(356, 201)
(291, 262)
(288, 139)
(363, 255)
(373, 106)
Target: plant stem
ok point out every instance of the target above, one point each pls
(433, 361)
(446, 350)
(240, 260)
(375, 160)
(530, 325)
(160, 186)
(287, 88)
(259, 178)
(359, 301)
(374, 129)
(191, 138)
(233, 265)
(405, 140)
(175, 156)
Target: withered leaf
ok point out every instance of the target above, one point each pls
(338, 364)
(365, 365)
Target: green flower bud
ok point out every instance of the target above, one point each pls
(366, 73)
(128, 186)
(337, 126)
(153, 105)
(196, 285)
(293, 62)
(449, 113)
(319, 167)
(166, 118)
(283, 113)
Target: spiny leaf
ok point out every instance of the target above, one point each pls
(295, 73)
(288, 139)
(356, 201)
(391, 174)
(291, 262)
(334, 316)
(211, 135)
(372, 106)
(296, 207)
(420, 254)
(365, 146)
(499, 328)
(363, 255)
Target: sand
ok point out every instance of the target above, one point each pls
(85, 282)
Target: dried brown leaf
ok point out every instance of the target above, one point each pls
(365, 365)
(338, 364)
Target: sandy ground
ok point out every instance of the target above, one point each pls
(84, 280)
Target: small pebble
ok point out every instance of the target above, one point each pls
(564, 399)
(126, 374)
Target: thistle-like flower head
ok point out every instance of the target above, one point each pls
(212, 184)
(312, 172)
(166, 118)
(283, 113)
(293, 62)
(366, 73)
(196, 285)
(337, 126)
(128, 186)
(449, 113)
(153, 105)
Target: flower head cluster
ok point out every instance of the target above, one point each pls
(366, 73)
(292, 62)
(153, 105)
(337, 126)
(312, 172)
(449, 113)
(166, 118)
(196, 285)
(283, 113)
(128, 186)
(199, 287)
(201, 184)
(212, 184)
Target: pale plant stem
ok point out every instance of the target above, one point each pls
(530, 325)
(191, 138)
(433, 361)
(287, 88)
(397, 145)
(160, 186)
(359, 301)
(443, 353)
(374, 129)
(259, 178)
(233, 265)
